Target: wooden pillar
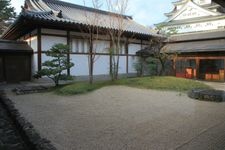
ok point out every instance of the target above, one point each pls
(127, 57)
(197, 67)
(224, 69)
(4, 68)
(39, 45)
(141, 44)
(30, 38)
(68, 54)
(174, 66)
(110, 58)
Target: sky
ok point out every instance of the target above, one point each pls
(145, 12)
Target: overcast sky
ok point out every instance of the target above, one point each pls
(146, 12)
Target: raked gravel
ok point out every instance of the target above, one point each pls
(124, 118)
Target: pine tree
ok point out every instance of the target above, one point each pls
(58, 64)
(7, 14)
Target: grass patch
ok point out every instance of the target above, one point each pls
(157, 83)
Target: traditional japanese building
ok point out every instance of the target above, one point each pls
(43, 23)
(198, 39)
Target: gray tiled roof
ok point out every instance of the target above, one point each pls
(47, 10)
(196, 46)
(215, 34)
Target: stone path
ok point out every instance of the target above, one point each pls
(216, 85)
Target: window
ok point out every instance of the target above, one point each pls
(80, 46)
(122, 48)
(101, 46)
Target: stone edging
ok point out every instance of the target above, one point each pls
(207, 95)
(30, 136)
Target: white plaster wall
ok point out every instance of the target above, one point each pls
(49, 41)
(34, 64)
(122, 65)
(190, 13)
(34, 43)
(131, 61)
(45, 58)
(179, 7)
(202, 2)
(133, 48)
(101, 65)
(203, 26)
(80, 67)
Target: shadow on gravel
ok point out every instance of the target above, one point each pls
(15, 132)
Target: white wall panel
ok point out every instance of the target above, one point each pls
(122, 65)
(49, 41)
(131, 61)
(33, 42)
(133, 48)
(34, 63)
(80, 67)
(45, 58)
(101, 65)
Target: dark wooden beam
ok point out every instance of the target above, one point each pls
(39, 45)
(127, 57)
(68, 55)
(4, 68)
(197, 67)
(224, 69)
(174, 66)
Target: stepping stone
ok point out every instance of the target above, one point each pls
(29, 89)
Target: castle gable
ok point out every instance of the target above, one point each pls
(191, 10)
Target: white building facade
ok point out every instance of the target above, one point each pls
(44, 23)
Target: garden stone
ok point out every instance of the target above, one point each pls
(207, 95)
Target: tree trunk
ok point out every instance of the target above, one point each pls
(162, 67)
(56, 83)
(91, 61)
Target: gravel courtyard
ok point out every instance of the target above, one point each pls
(123, 118)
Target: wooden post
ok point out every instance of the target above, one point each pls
(197, 67)
(127, 57)
(4, 68)
(174, 66)
(224, 70)
(39, 47)
(110, 59)
(30, 38)
(68, 54)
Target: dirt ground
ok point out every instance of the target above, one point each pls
(123, 118)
